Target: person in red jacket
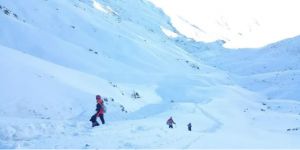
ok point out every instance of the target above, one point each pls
(170, 122)
(100, 108)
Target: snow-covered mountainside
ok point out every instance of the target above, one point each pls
(272, 70)
(242, 24)
(55, 56)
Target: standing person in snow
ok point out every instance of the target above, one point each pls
(190, 126)
(100, 108)
(170, 122)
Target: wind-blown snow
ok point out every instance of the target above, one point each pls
(55, 56)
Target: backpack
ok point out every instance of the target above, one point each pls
(104, 108)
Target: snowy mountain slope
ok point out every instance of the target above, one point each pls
(56, 55)
(92, 37)
(242, 24)
(272, 70)
(280, 56)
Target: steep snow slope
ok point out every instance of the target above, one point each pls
(56, 55)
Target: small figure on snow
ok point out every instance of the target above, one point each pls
(190, 126)
(170, 122)
(100, 110)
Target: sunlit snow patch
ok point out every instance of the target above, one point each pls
(169, 33)
(105, 9)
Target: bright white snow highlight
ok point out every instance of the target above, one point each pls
(241, 23)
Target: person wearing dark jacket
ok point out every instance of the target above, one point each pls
(190, 126)
(100, 108)
(170, 122)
